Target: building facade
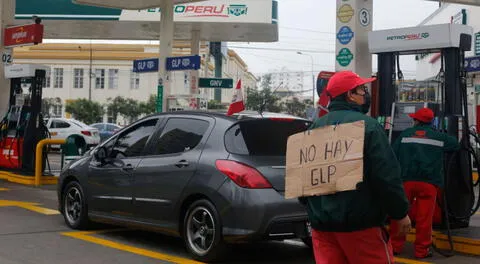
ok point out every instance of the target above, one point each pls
(112, 75)
(288, 80)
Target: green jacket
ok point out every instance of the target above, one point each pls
(420, 151)
(380, 194)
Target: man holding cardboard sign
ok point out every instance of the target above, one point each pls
(348, 176)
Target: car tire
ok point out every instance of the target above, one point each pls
(202, 232)
(74, 206)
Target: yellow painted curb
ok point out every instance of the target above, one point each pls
(475, 176)
(27, 180)
(460, 244)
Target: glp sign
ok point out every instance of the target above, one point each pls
(472, 64)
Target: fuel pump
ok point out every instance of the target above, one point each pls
(324, 100)
(22, 127)
(445, 93)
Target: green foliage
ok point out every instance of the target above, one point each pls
(114, 107)
(86, 111)
(214, 105)
(271, 102)
(295, 107)
(149, 107)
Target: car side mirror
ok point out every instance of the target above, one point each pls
(100, 154)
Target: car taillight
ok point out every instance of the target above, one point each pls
(243, 175)
(87, 133)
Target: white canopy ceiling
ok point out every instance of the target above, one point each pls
(465, 2)
(130, 4)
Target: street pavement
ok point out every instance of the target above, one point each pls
(32, 231)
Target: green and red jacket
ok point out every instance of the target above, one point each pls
(380, 194)
(420, 151)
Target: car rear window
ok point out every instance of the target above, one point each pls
(262, 137)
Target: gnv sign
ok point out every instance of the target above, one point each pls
(183, 63)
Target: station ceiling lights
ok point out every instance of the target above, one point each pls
(130, 4)
(465, 2)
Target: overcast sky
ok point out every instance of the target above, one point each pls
(310, 25)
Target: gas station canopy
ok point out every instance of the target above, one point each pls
(217, 20)
(130, 4)
(465, 2)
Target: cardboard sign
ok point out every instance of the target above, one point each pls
(325, 160)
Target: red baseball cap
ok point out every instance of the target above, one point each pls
(424, 115)
(344, 81)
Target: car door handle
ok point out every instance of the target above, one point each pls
(182, 163)
(127, 167)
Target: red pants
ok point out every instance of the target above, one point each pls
(370, 246)
(425, 195)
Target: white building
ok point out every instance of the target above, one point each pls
(287, 80)
(112, 68)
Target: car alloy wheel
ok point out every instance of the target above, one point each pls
(74, 206)
(202, 232)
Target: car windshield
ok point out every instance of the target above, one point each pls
(78, 123)
(262, 137)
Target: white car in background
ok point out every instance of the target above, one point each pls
(61, 128)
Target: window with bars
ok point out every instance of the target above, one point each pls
(78, 78)
(134, 80)
(58, 78)
(46, 81)
(99, 79)
(112, 78)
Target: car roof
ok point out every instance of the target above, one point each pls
(235, 117)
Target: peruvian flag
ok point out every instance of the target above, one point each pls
(237, 104)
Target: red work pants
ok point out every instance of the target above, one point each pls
(424, 194)
(370, 246)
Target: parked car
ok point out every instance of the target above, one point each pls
(106, 130)
(61, 128)
(205, 177)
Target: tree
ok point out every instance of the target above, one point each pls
(85, 110)
(130, 110)
(150, 106)
(214, 105)
(266, 81)
(264, 98)
(295, 107)
(114, 107)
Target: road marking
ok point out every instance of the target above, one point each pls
(409, 261)
(29, 206)
(87, 236)
(4, 189)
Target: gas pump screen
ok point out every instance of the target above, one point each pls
(409, 110)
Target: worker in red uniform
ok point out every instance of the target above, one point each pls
(420, 151)
(348, 227)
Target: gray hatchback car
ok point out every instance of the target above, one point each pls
(208, 178)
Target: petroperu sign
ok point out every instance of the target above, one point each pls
(211, 10)
(409, 36)
(242, 11)
(23, 35)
